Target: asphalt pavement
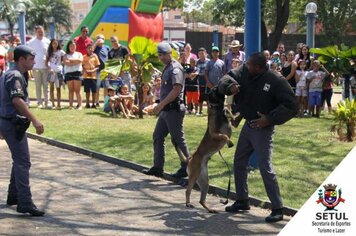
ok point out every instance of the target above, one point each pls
(86, 196)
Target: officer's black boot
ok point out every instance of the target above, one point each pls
(30, 208)
(155, 171)
(11, 200)
(181, 172)
(276, 215)
(239, 205)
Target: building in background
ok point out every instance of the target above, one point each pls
(80, 9)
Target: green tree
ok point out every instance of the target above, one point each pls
(40, 11)
(338, 18)
(8, 13)
(173, 4)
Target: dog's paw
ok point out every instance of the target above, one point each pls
(230, 144)
(189, 205)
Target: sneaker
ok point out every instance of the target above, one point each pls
(276, 215)
(93, 106)
(239, 205)
(97, 104)
(181, 173)
(87, 106)
(39, 106)
(155, 171)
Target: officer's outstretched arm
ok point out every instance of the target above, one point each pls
(23, 110)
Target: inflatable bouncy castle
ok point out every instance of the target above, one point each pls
(124, 19)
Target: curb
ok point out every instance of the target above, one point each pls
(133, 166)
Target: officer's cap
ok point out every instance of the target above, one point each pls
(23, 50)
(164, 48)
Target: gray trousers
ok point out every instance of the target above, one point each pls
(168, 122)
(260, 141)
(20, 173)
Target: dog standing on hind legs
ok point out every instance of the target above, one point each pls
(218, 134)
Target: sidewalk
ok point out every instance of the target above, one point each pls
(85, 196)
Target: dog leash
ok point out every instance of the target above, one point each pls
(229, 184)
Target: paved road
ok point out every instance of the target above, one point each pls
(85, 196)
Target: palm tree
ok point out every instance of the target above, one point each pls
(40, 11)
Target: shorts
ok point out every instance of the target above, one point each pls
(89, 85)
(301, 91)
(77, 75)
(314, 98)
(192, 97)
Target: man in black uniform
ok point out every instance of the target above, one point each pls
(264, 100)
(170, 113)
(15, 117)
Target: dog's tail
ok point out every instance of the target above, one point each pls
(181, 156)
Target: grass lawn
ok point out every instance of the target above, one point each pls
(305, 152)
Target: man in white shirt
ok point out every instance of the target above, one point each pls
(40, 69)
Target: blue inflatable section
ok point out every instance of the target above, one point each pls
(116, 15)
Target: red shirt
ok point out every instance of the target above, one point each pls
(82, 44)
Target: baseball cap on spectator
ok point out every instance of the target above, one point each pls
(23, 50)
(215, 48)
(276, 53)
(111, 88)
(201, 49)
(164, 48)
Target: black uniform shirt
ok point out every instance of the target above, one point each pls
(266, 93)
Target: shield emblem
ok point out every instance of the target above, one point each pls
(330, 196)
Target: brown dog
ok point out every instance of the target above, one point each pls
(218, 134)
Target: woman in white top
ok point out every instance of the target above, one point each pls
(55, 73)
(73, 73)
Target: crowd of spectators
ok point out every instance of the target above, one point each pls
(81, 62)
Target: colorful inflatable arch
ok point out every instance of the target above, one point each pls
(124, 19)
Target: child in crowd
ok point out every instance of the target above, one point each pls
(55, 73)
(301, 91)
(128, 101)
(113, 103)
(235, 63)
(156, 89)
(192, 87)
(90, 64)
(315, 85)
(147, 100)
(274, 67)
(276, 59)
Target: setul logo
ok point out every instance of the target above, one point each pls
(330, 197)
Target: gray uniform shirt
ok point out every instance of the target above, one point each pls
(172, 74)
(12, 84)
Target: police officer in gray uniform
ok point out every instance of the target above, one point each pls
(15, 117)
(171, 112)
(264, 100)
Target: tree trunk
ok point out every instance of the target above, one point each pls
(139, 95)
(264, 36)
(349, 132)
(282, 12)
